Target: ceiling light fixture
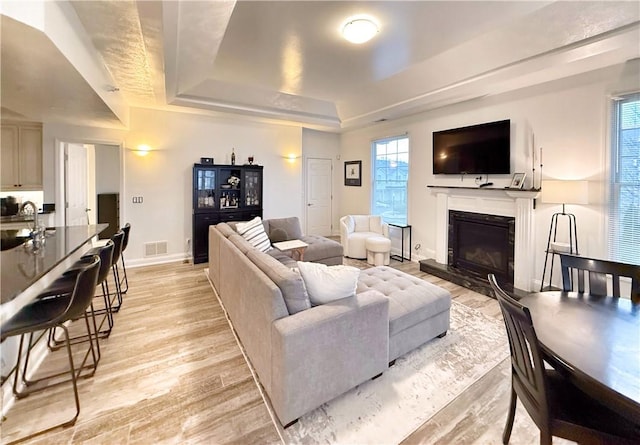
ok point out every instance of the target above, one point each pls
(359, 30)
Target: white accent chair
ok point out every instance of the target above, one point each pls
(354, 231)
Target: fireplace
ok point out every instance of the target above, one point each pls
(480, 244)
(489, 204)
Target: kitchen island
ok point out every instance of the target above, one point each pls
(27, 271)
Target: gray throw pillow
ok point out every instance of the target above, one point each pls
(290, 282)
(278, 235)
(291, 226)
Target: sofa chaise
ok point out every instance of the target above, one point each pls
(305, 356)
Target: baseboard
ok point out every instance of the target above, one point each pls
(175, 258)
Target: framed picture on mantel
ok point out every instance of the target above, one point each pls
(517, 181)
(353, 173)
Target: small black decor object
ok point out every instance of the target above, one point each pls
(353, 173)
(206, 161)
(233, 157)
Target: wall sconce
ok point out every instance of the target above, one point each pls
(292, 158)
(142, 150)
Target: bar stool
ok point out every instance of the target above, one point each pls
(118, 240)
(125, 242)
(47, 313)
(65, 284)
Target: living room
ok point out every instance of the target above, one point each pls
(561, 112)
(564, 109)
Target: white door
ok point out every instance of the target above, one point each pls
(76, 179)
(318, 196)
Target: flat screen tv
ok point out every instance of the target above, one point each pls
(477, 149)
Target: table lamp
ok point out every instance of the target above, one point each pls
(562, 192)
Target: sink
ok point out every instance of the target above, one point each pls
(10, 238)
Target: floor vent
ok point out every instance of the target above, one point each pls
(154, 249)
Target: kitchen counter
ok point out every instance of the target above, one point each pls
(25, 272)
(22, 218)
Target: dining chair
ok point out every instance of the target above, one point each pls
(574, 268)
(556, 406)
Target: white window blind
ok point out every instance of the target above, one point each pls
(624, 199)
(390, 179)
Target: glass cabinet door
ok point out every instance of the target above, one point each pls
(205, 192)
(252, 188)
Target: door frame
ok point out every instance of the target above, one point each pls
(59, 172)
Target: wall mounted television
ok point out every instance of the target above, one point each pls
(477, 149)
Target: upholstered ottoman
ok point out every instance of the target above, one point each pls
(418, 311)
(378, 248)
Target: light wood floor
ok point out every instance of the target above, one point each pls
(171, 372)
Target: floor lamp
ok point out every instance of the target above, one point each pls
(562, 192)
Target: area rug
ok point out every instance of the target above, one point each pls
(421, 383)
(390, 408)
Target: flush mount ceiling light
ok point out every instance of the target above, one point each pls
(359, 29)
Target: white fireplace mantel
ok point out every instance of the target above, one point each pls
(492, 201)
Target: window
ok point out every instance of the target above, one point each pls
(390, 179)
(624, 199)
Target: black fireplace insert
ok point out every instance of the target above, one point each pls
(480, 244)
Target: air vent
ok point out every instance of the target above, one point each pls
(156, 248)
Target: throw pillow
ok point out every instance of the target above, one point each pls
(328, 283)
(289, 281)
(288, 227)
(253, 232)
(278, 235)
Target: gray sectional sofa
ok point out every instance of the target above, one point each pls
(305, 356)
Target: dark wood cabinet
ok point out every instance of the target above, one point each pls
(223, 193)
(109, 212)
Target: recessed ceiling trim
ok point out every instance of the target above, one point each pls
(594, 53)
(297, 116)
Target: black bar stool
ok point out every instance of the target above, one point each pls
(125, 242)
(65, 284)
(47, 313)
(118, 240)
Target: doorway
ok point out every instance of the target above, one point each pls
(86, 169)
(319, 179)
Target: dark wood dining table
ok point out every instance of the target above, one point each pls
(595, 341)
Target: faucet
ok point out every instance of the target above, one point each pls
(35, 214)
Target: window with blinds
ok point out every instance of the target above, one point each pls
(624, 199)
(390, 179)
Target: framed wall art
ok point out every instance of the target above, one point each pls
(353, 173)
(517, 181)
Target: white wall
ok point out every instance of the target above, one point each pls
(163, 177)
(570, 121)
(108, 171)
(322, 145)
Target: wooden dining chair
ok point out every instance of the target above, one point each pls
(574, 268)
(556, 406)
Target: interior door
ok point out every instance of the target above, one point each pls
(318, 196)
(76, 177)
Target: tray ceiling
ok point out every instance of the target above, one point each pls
(87, 62)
